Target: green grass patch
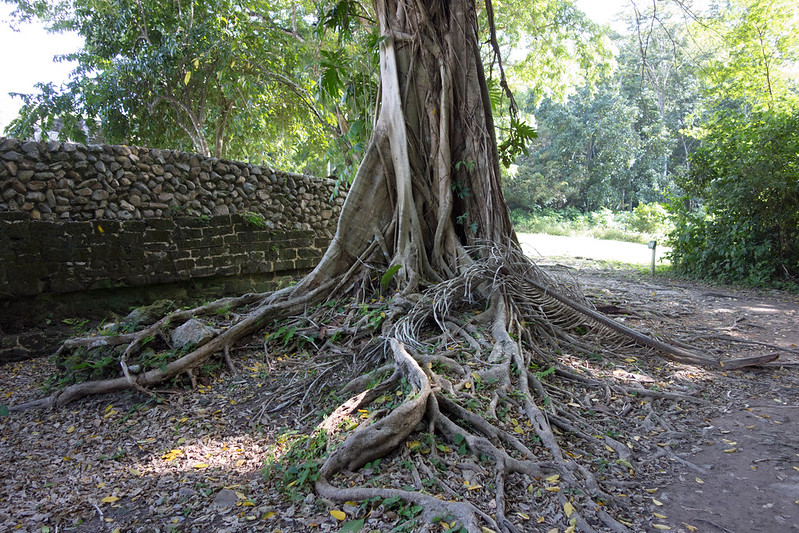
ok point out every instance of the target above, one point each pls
(641, 225)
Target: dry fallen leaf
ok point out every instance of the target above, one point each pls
(568, 508)
(699, 480)
(171, 455)
(338, 515)
(657, 502)
(109, 499)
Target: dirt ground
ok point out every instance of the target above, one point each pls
(739, 460)
(193, 460)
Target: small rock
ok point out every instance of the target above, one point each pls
(225, 498)
(192, 332)
(148, 314)
(186, 492)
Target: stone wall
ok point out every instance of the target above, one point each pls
(68, 181)
(39, 257)
(88, 229)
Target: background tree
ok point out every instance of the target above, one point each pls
(744, 178)
(237, 79)
(584, 155)
(620, 140)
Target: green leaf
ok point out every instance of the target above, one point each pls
(388, 276)
(353, 526)
(4, 410)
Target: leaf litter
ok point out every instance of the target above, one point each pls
(193, 460)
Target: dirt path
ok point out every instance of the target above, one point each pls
(728, 460)
(737, 464)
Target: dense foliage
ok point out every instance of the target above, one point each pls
(617, 142)
(747, 226)
(241, 79)
(738, 220)
(292, 84)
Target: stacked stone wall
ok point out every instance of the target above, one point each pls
(56, 181)
(85, 229)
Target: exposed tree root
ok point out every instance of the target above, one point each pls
(474, 360)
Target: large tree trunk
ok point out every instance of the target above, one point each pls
(429, 183)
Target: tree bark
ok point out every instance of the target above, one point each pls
(429, 181)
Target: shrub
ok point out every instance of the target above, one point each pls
(746, 180)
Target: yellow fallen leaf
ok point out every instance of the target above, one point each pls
(658, 515)
(796, 468)
(70, 430)
(201, 465)
(101, 485)
(631, 360)
(662, 527)
(689, 527)
(338, 515)
(699, 480)
(171, 455)
(553, 489)
(270, 514)
(484, 529)
(109, 499)
(657, 502)
(553, 479)
(731, 450)
(522, 515)
(540, 520)
(135, 471)
(475, 487)
(467, 385)
(568, 508)
(651, 491)
(570, 529)
(517, 429)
